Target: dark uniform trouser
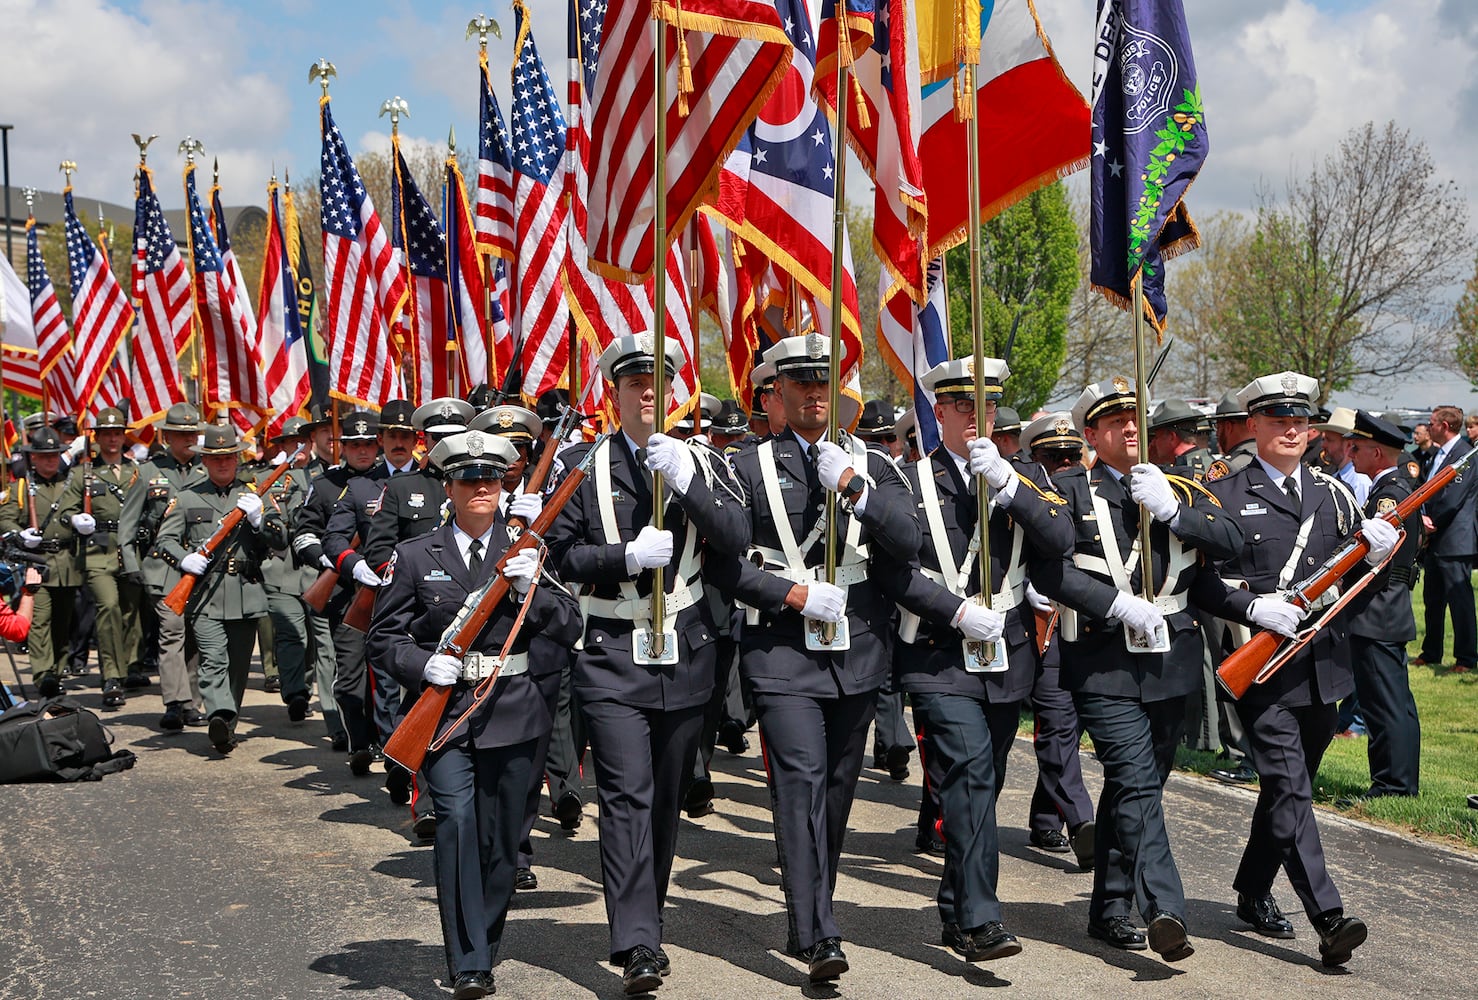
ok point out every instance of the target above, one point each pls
(566, 740)
(643, 765)
(549, 685)
(891, 729)
(1135, 742)
(1449, 585)
(289, 642)
(813, 748)
(321, 651)
(1390, 715)
(1059, 796)
(84, 629)
(179, 660)
(225, 659)
(117, 603)
(1287, 744)
(267, 642)
(715, 711)
(368, 699)
(970, 739)
(478, 795)
(51, 630)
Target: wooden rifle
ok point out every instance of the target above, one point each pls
(408, 744)
(179, 597)
(321, 590)
(1267, 652)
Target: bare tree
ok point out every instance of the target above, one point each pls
(1338, 279)
(1099, 337)
(1199, 287)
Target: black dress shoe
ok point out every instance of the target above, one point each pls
(664, 964)
(897, 763)
(1263, 915)
(173, 718)
(642, 973)
(134, 681)
(930, 844)
(732, 739)
(194, 718)
(1241, 774)
(272, 685)
(569, 811)
(398, 784)
(1339, 936)
(1167, 937)
(297, 707)
(48, 686)
(825, 960)
(1119, 932)
(984, 944)
(220, 735)
(1083, 841)
(425, 826)
(699, 800)
(1049, 840)
(359, 762)
(113, 696)
(339, 743)
(377, 755)
(524, 880)
(472, 985)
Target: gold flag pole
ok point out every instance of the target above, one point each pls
(190, 146)
(481, 26)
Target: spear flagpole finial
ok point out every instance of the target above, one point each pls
(451, 140)
(480, 26)
(319, 73)
(396, 108)
(190, 146)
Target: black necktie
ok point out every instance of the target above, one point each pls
(474, 557)
(1290, 485)
(813, 456)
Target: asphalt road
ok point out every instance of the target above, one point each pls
(276, 873)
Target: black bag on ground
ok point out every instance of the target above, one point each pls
(56, 739)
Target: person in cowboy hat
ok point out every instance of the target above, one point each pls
(228, 597)
(1175, 438)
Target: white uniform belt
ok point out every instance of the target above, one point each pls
(479, 666)
(1011, 594)
(1172, 603)
(634, 609)
(847, 574)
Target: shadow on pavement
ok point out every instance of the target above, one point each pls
(409, 968)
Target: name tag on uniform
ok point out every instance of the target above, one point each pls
(436, 576)
(616, 496)
(416, 500)
(784, 483)
(1252, 508)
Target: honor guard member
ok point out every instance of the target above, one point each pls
(1059, 799)
(643, 717)
(1132, 700)
(520, 427)
(479, 778)
(93, 506)
(285, 576)
(1234, 439)
(767, 418)
(1175, 439)
(1007, 433)
(814, 705)
(1381, 629)
(730, 427)
(1294, 518)
(32, 508)
(160, 480)
(320, 431)
(968, 705)
(877, 427)
(228, 597)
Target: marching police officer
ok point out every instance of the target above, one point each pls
(1294, 517)
(1130, 662)
(968, 704)
(285, 576)
(160, 480)
(480, 778)
(1175, 439)
(814, 705)
(228, 597)
(643, 705)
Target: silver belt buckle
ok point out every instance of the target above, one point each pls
(472, 667)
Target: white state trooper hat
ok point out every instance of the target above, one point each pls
(515, 423)
(446, 415)
(1108, 396)
(1052, 430)
(633, 354)
(958, 377)
(1287, 394)
(805, 359)
(473, 455)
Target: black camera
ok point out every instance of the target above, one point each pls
(15, 559)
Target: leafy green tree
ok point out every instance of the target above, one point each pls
(1465, 329)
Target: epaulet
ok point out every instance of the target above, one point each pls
(1050, 496)
(1189, 488)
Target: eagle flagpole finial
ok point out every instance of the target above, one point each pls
(190, 146)
(480, 26)
(319, 73)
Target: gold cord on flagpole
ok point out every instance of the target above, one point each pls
(834, 389)
(658, 638)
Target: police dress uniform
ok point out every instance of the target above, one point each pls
(814, 707)
(1289, 718)
(969, 718)
(1451, 550)
(1131, 703)
(643, 720)
(478, 781)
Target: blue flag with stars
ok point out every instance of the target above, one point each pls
(1149, 141)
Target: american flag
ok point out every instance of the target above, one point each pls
(541, 316)
(738, 57)
(19, 354)
(366, 285)
(469, 291)
(500, 305)
(116, 389)
(53, 339)
(161, 287)
(419, 241)
(101, 312)
(280, 335)
(233, 368)
(918, 337)
(494, 200)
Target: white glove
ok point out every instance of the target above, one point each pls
(31, 538)
(520, 569)
(1382, 536)
(364, 575)
(325, 562)
(649, 549)
(979, 622)
(986, 460)
(84, 524)
(825, 602)
(1276, 615)
(1137, 614)
(672, 458)
(1037, 601)
(526, 506)
(831, 462)
(76, 448)
(1149, 488)
(251, 505)
(442, 670)
(196, 563)
(279, 458)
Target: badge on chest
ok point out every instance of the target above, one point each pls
(417, 500)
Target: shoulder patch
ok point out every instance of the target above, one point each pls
(1385, 505)
(1218, 470)
(1414, 470)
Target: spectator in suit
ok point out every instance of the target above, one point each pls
(1449, 520)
